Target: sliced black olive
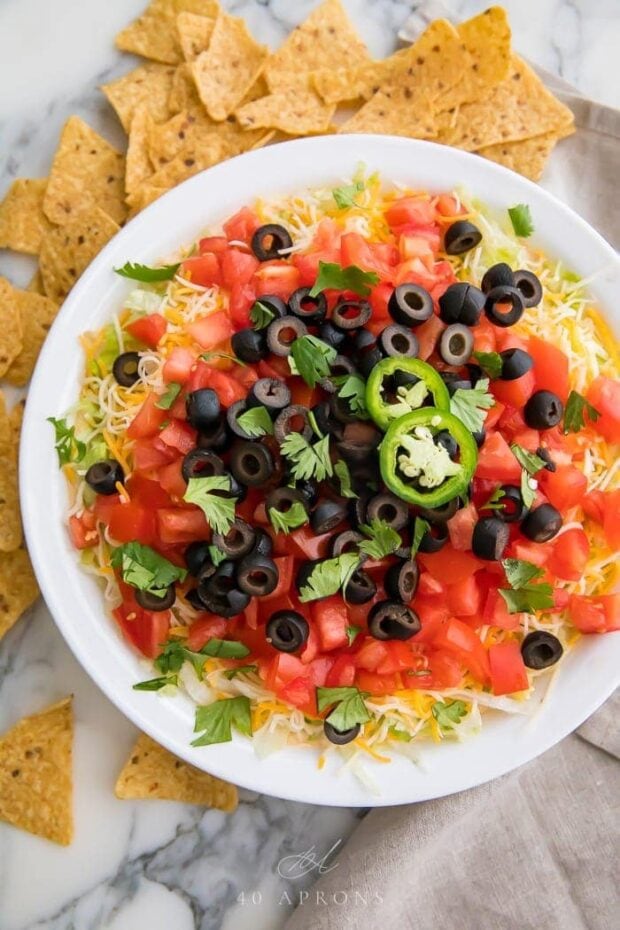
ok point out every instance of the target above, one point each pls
(513, 509)
(434, 538)
(397, 340)
(388, 508)
(309, 490)
(499, 275)
(360, 588)
(410, 305)
(322, 416)
(125, 368)
(480, 436)
(500, 297)
(251, 463)
(263, 544)
(257, 575)
(287, 630)
(460, 237)
(153, 603)
(542, 523)
(103, 477)
(340, 737)
(440, 514)
(282, 333)
(269, 241)
(455, 382)
(490, 538)
(201, 463)
(327, 516)
(293, 419)
(330, 334)
(369, 360)
(345, 542)
(393, 620)
(541, 650)
(474, 372)
(515, 364)
(216, 436)
(342, 365)
(237, 490)
(304, 571)
(307, 308)
(237, 542)
(456, 344)
(401, 580)
(461, 303)
(232, 418)
(219, 593)
(282, 499)
(203, 408)
(340, 410)
(358, 509)
(193, 597)
(274, 303)
(196, 554)
(544, 455)
(543, 410)
(528, 286)
(249, 345)
(446, 439)
(348, 315)
(207, 569)
(362, 339)
(271, 393)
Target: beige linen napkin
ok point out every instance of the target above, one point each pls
(536, 849)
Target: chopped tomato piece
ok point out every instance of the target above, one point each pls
(146, 492)
(514, 393)
(181, 525)
(495, 612)
(465, 598)
(508, 672)
(172, 480)
(150, 454)
(611, 518)
(377, 684)
(371, 655)
(211, 330)
(206, 627)
(311, 649)
(131, 521)
(226, 387)
(497, 462)
(285, 565)
(595, 614)
(355, 250)
(277, 277)
(569, 555)
(148, 419)
(450, 564)
(460, 640)
(330, 616)
(215, 244)
(83, 530)
(565, 487)
(461, 527)
(300, 692)
(594, 504)
(178, 365)
(427, 335)
(342, 673)
(410, 211)
(203, 269)
(179, 435)
(319, 669)
(237, 267)
(242, 297)
(445, 672)
(400, 656)
(550, 367)
(305, 544)
(145, 630)
(604, 395)
(148, 329)
(242, 226)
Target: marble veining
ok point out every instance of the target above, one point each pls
(155, 864)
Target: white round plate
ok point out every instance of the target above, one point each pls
(587, 676)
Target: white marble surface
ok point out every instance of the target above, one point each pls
(157, 864)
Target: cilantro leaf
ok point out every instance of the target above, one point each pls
(225, 649)
(574, 414)
(308, 460)
(256, 422)
(310, 358)
(329, 576)
(334, 277)
(383, 539)
(216, 555)
(531, 462)
(233, 672)
(171, 658)
(216, 720)
(138, 272)
(528, 489)
(519, 572)
(291, 519)
(350, 708)
(490, 362)
(352, 633)
(353, 389)
(207, 356)
(525, 597)
(155, 684)
(341, 470)
(345, 196)
(468, 405)
(219, 511)
(167, 399)
(448, 713)
(521, 219)
(143, 568)
(68, 448)
(495, 502)
(261, 315)
(175, 653)
(420, 528)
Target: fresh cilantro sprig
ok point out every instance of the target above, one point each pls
(219, 511)
(524, 596)
(287, 520)
(531, 464)
(329, 576)
(216, 555)
(68, 448)
(216, 721)
(149, 275)
(156, 684)
(256, 422)
(521, 219)
(490, 362)
(261, 315)
(308, 460)
(349, 707)
(383, 539)
(207, 356)
(310, 358)
(143, 568)
(496, 501)
(448, 713)
(167, 399)
(175, 653)
(352, 633)
(420, 528)
(577, 408)
(345, 196)
(341, 470)
(353, 389)
(332, 276)
(468, 405)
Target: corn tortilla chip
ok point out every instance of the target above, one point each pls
(10, 326)
(298, 114)
(338, 85)
(10, 520)
(86, 171)
(152, 36)
(68, 250)
(184, 93)
(36, 283)
(142, 197)
(37, 315)
(148, 86)
(194, 34)
(527, 157)
(200, 153)
(412, 117)
(16, 417)
(18, 587)
(36, 773)
(226, 71)
(487, 40)
(138, 166)
(325, 37)
(153, 772)
(22, 221)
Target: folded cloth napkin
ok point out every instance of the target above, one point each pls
(536, 849)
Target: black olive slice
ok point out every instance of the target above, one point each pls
(401, 580)
(360, 588)
(330, 334)
(362, 339)
(358, 509)
(393, 620)
(455, 382)
(151, 602)
(251, 463)
(304, 571)
(194, 599)
(543, 410)
(273, 303)
(349, 315)
(219, 593)
(541, 650)
(490, 538)
(196, 555)
(461, 237)
(293, 419)
(287, 630)
(237, 542)
(542, 523)
(513, 509)
(440, 514)
(249, 345)
(309, 490)
(270, 241)
(203, 408)
(461, 303)
(434, 538)
(340, 737)
(307, 308)
(215, 436)
(201, 463)
(388, 508)
(499, 275)
(544, 455)
(396, 340)
(410, 305)
(271, 393)
(125, 368)
(347, 541)
(528, 286)
(263, 544)
(368, 360)
(480, 436)
(257, 575)
(456, 344)
(282, 499)
(446, 439)
(515, 364)
(340, 409)
(103, 477)
(504, 306)
(282, 333)
(327, 516)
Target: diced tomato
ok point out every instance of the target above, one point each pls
(371, 655)
(215, 244)
(146, 492)
(145, 630)
(242, 226)
(148, 419)
(179, 435)
(447, 205)
(237, 267)
(300, 692)
(277, 277)
(445, 672)
(148, 329)
(550, 367)
(319, 669)
(178, 365)
(204, 628)
(611, 518)
(594, 504)
(211, 330)
(604, 395)
(150, 454)
(242, 298)
(484, 334)
(536, 553)
(528, 439)
(400, 656)
(461, 527)
(285, 565)
(377, 684)
(429, 586)
(311, 649)
(172, 480)
(330, 616)
(285, 668)
(302, 394)
(569, 555)
(410, 211)
(508, 672)
(226, 387)
(83, 530)
(379, 298)
(342, 673)
(595, 614)
(496, 461)
(514, 393)
(305, 544)
(465, 598)
(131, 521)
(427, 335)
(461, 641)
(203, 269)
(250, 614)
(450, 564)
(565, 487)
(416, 271)
(244, 375)
(411, 245)
(355, 250)
(495, 612)
(181, 525)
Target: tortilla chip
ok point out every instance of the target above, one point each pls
(142, 197)
(339, 85)
(200, 153)
(226, 71)
(86, 171)
(148, 86)
(412, 117)
(487, 40)
(153, 772)
(151, 36)
(527, 157)
(36, 776)
(518, 108)
(325, 37)
(300, 113)
(68, 250)
(184, 93)
(194, 34)
(138, 166)
(16, 417)
(10, 326)
(36, 283)
(10, 521)
(37, 315)
(22, 221)
(18, 587)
